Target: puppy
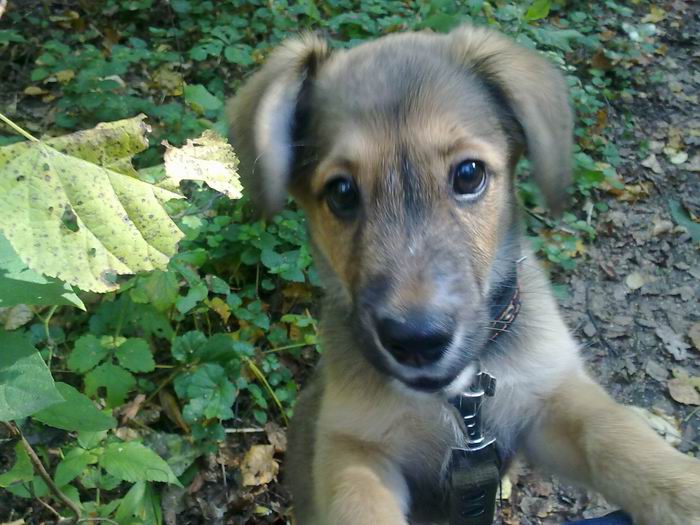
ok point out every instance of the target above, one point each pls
(401, 152)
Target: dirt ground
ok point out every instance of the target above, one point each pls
(635, 298)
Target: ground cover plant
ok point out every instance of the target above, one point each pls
(154, 332)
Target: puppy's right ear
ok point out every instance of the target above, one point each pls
(268, 115)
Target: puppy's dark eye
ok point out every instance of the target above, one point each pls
(343, 197)
(468, 179)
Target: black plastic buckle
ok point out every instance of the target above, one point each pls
(475, 467)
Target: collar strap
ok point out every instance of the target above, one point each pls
(506, 306)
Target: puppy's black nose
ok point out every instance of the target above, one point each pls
(417, 339)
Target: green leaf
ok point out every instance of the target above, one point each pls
(135, 355)
(141, 503)
(186, 346)
(80, 222)
(20, 285)
(159, 288)
(539, 9)
(26, 385)
(22, 470)
(197, 292)
(115, 379)
(76, 413)
(133, 462)
(87, 354)
(73, 463)
(210, 392)
(239, 54)
(680, 216)
(201, 100)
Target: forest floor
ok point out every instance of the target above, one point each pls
(632, 302)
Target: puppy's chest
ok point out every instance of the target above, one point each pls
(426, 470)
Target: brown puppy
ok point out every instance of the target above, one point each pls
(401, 151)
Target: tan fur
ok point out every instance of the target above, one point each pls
(393, 116)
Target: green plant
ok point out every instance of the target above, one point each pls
(176, 351)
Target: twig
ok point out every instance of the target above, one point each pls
(49, 508)
(16, 128)
(39, 469)
(250, 430)
(163, 384)
(690, 416)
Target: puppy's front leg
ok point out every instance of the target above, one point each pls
(584, 435)
(356, 484)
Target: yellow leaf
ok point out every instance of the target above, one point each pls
(656, 14)
(259, 466)
(79, 221)
(65, 75)
(168, 81)
(34, 91)
(210, 159)
(220, 307)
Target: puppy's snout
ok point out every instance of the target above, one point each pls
(417, 339)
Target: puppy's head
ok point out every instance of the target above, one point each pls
(402, 151)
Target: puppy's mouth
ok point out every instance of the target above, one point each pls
(428, 363)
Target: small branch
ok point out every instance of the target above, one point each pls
(39, 469)
(16, 128)
(251, 430)
(49, 508)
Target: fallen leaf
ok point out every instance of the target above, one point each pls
(635, 280)
(656, 14)
(129, 411)
(656, 371)
(664, 425)
(65, 75)
(276, 436)
(172, 409)
(220, 307)
(652, 163)
(679, 158)
(600, 61)
(34, 91)
(168, 81)
(15, 316)
(694, 334)
(683, 392)
(682, 217)
(672, 342)
(259, 466)
(660, 226)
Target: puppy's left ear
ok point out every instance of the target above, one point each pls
(536, 93)
(268, 115)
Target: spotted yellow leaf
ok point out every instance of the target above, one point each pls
(208, 158)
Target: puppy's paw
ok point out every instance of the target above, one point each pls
(674, 499)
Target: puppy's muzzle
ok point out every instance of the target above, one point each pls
(417, 339)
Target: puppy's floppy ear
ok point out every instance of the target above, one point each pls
(537, 95)
(267, 117)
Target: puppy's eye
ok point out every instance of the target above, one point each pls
(468, 179)
(343, 197)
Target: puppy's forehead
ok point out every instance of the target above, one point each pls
(409, 84)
